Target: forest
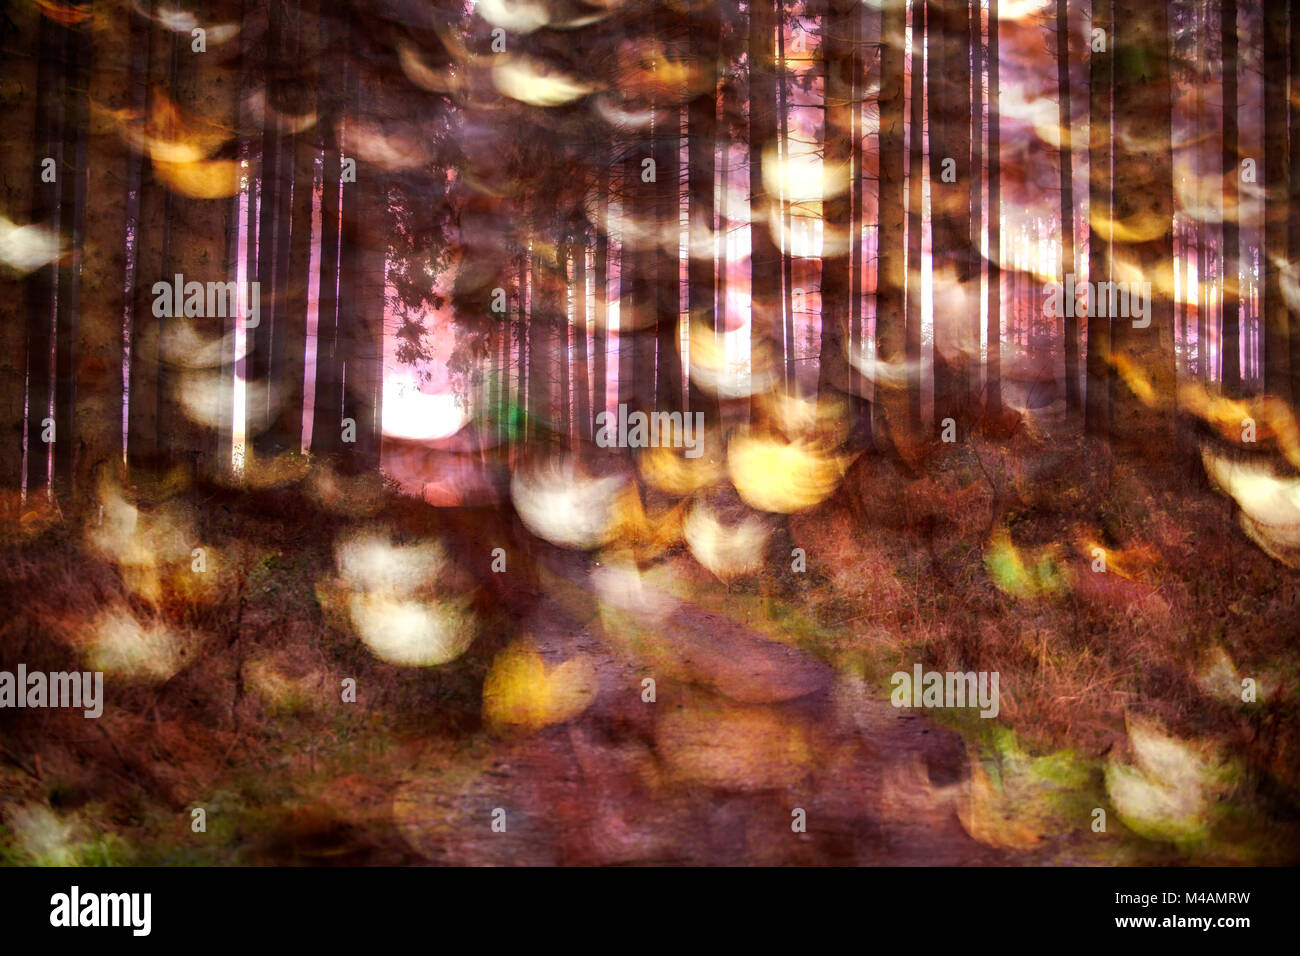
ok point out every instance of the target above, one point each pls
(687, 432)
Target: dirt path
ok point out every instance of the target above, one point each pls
(711, 772)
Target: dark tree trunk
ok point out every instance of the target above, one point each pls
(787, 256)
(948, 66)
(837, 47)
(667, 295)
(42, 283)
(97, 419)
(1231, 341)
(1073, 398)
(915, 217)
(20, 47)
(701, 139)
(145, 450)
(327, 400)
(272, 225)
(581, 379)
(890, 405)
(1277, 162)
(1293, 193)
(993, 362)
(1100, 69)
(1143, 196)
(767, 333)
(976, 189)
(600, 336)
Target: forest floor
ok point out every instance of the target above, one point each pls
(1121, 737)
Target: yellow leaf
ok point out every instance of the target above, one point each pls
(520, 691)
(203, 179)
(772, 474)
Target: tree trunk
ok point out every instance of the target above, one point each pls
(948, 66)
(1073, 399)
(581, 381)
(1143, 196)
(1231, 341)
(97, 418)
(361, 313)
(891, 271)
(72, 209)
(600, 336)
(767, 346)
(261, 378)
(1277, 161)
(856, 97)
(837, 48)
(145, 450)
(1293, 205)
(915, 216)
(993, 363)
(42, 283)
(667, 265)
(976, 190)
(787, 254)
(702, 123)
(327, 400)
(20, 31)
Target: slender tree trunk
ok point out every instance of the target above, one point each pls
(20, 31)
(1231, 225)
(891, 405)
(290, 351)
(706, 38)
(42, 283)
(857, 97)
(144, 449)
(97, 419)
(547, 312)
(837, 47)
(724, 224)
(637, 298)
(1277, 161)
(915, 217)
(1144, 195)
(564, 352)
(327, 401)
(521, 401)
(1293, 205)
(667, 297)
(1100, 212)
(993, 363)
(767, 347)
(625, 360)
(261, 381)
(976, 190)
(601, 281)
(581, 380)
(72, 209)
(1202, 233)
(1073, 398)
(201, 227)
(364, 356)
(948, 66)
(787, 255)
